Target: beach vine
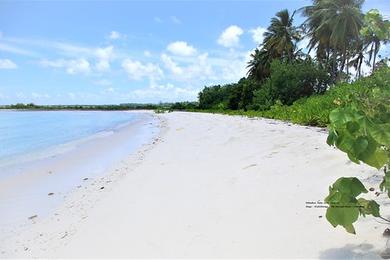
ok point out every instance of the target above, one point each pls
(360, 127)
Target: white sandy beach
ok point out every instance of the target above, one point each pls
(209, 186)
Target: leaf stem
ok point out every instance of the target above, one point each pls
(385, 219)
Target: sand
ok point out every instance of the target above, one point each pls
(210, 186)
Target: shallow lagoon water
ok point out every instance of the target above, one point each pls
(55, 151)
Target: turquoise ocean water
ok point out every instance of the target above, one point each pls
(23, 132)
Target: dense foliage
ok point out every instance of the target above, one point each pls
(315, 109)
(230, 96)
(290, 81)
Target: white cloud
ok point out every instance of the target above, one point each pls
(102, 82)
(157, 19)
(110, 90)
(104, 55)
(164, 92)
(61, 48)
(257, 34)
(16, 50)
(36, 95)
(72, 66)
(114, 35)
(147, 54)
(230, 37)
(228, 66)
(101, 58)
(175, 20)
(102, 65)
(235, 67)
(53, 63)
(189, 69)
(201, 68)
(137, 70)
(171, 65)
(20, 95)
(70, 49)
(78, 66)
(7, 64)
(181, 48)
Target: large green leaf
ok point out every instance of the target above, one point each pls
(381, 133)
(353, 127)
(345, 142)
(332, 137)
(368, 207)
(360, 145)
(343, 207)
(343, 215)
(340, 116)
(350, 186)
(377, 159)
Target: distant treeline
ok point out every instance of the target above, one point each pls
(127, 106)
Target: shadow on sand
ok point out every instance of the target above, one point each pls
(350, 251)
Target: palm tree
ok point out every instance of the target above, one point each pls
(334, 28)
(357, 61)
(375, 31)
(259, 65)
(281, 36)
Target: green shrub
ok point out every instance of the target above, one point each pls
(230, 96)
(289, 82)
(262, 98)
(209, 97)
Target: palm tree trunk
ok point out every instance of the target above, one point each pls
(343, 58)
(334, 67)
(376, 49)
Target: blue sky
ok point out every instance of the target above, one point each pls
(107, 52)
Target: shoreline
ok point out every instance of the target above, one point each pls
(210, 186)
(39, 185)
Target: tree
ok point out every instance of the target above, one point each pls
(289, 82)
(259, 65)
(333, 27)
(375, 31)
(280, 42)
(211, 97)
(281, 36)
